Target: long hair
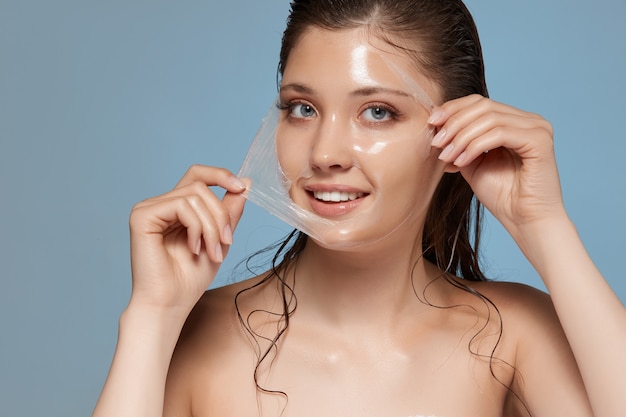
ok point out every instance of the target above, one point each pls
(441, 38)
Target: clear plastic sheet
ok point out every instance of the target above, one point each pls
(270, 187)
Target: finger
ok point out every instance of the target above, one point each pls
(503, 155)
(198, 193)
(441, 114)
(457, 115)
(526, 143)
(208, 176)
(213, 217)
(157, 219)
(207, 208)
(208, 205)
(212, 176)
(491, 122)
(218, 217)
(234, 203)
(181, 191)
(212, 210)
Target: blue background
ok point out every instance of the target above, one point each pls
(103, 104)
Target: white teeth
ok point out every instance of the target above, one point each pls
(336, 196)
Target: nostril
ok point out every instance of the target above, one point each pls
(327, 154)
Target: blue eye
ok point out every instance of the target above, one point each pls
(301, 110)
(376, 114)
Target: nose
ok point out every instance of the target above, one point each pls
(331, 149)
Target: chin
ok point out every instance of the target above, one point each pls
(344, 236)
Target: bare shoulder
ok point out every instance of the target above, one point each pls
(212, 352)
(529, 320)
(517, 302)
(544, 362)
(213, 328)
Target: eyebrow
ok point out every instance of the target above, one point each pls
(361, 92)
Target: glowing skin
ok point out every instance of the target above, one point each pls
(270, 184)
(352, 125)
(359, 68)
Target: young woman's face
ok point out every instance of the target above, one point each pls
(353, 139)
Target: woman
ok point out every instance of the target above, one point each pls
(401, 322)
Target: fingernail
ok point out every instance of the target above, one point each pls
(439, 137)
(219, 255)
(236, 182)
(198, 247)
(435, 117)
(460, 159)
(228, 235)
(446, 152)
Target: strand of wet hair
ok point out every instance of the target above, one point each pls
(447, 275)
(289, 305)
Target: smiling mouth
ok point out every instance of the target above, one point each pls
(337, 196)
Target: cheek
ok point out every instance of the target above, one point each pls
(404, 175)
(291, 156)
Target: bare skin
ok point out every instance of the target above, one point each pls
(372, 334)
(421, 364)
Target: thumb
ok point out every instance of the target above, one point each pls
(234, 203)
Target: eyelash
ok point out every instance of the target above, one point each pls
(288, 106)
(393, 113)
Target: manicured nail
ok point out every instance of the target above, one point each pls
(447, 151)
(228, 235)
(236, 182)
(435, 117)
(219, 255)
(439, 138)
(460, 159)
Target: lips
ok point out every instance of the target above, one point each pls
(334, 200)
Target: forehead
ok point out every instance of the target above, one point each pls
(351, 58)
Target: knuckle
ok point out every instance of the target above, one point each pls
(182, 204)
(489, 118)
(194, 169)
(136, 215)
(453, 122)
(198, 187)
(194, 172)
(195, 200)
(548, 127)
(500, 132)
(480, 98)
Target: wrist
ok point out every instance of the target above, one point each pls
(153, 321)
(549, 241)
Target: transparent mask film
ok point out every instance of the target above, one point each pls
(271, 184)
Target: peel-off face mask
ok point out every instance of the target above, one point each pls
(322, 165)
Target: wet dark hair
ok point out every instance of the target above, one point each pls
(441, 38)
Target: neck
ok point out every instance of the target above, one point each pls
(369, 287)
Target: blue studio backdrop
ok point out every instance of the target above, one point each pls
(103, 104)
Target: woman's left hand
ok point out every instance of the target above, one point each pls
(507, 157)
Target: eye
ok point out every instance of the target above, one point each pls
(301, 110)
(378, 113)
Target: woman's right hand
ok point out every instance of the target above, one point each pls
(179, 239)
